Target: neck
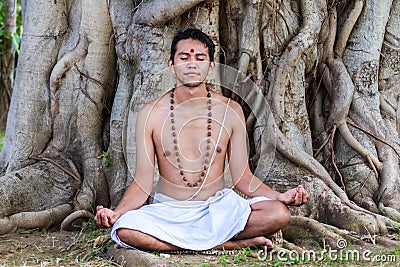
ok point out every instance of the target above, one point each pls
(184, 93)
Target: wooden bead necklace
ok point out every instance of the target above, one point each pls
(175, 141)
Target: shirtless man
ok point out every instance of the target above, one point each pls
(190, 129)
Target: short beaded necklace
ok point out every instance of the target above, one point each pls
(175, 141)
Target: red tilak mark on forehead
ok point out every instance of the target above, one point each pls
(191, 50)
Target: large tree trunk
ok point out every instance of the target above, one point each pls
(318, 81)
(61, 102)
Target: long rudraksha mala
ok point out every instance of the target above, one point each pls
(175, 141)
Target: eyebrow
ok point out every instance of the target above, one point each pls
(188, 54)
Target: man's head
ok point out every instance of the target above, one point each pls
(193, 34)
(192, 57)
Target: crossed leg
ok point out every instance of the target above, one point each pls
(266, 218)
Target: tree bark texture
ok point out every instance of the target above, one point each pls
(318, 81)
(7, 60)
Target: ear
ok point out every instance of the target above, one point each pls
(212, 66)
(171, 66)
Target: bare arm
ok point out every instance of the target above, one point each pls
(138, 191)
(242, 177)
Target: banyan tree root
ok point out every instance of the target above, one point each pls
(66, 62)
(74, 220)
(31, 220)
(331, 235)
(315, 230)
(157, 13)
(332, 210)
(134, 257)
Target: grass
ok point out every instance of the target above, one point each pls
(88, 248)
(245, 257)
(46, 248)
(2, 134)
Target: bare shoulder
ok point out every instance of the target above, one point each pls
(234, 107)
(235, 117)
(150, 112)
(224, 100)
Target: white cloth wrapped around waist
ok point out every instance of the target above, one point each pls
(194, 225)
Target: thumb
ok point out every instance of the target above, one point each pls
(99, 208)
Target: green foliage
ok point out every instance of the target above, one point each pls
(243, 254)
(106, 158)
(223, 259)
(16, 38)
(2, 133)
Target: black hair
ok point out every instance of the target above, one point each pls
(194, 34)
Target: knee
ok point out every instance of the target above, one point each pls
(127, 236)
(122, 234)
(281, 214)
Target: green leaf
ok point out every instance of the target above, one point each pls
(106, 158)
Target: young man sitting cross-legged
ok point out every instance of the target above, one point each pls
(190, 129)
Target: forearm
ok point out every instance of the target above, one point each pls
(134, 197)
(266, 191)
(252, 186)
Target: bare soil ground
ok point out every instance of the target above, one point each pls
(44, 248)
(83, 248)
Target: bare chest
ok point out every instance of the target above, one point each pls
(192, 137)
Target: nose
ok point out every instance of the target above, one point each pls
(191, 63)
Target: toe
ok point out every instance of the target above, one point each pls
(269, 244)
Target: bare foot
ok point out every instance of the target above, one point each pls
(259, 241)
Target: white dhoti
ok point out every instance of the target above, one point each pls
(194, 225)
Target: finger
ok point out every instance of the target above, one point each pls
(299, 199)
(292, 197)
(305, 197)
(99, 208)
(99, 222)
(113, 219)
(97, 217)
(104, 220)
(96, 220)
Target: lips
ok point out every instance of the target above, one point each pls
(192, 73)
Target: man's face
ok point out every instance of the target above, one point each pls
(191, 63)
